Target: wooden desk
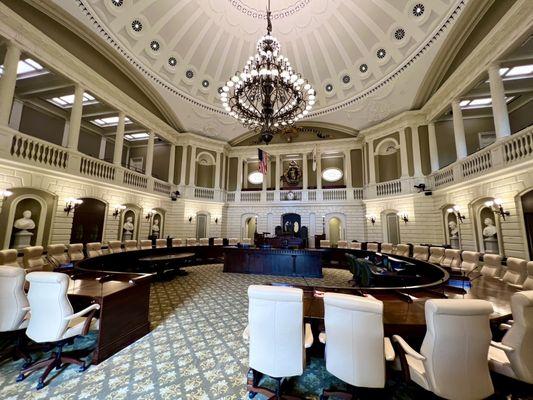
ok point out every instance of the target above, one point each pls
(163, 262)
(124, 308)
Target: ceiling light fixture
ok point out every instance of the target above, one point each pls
(268, 95)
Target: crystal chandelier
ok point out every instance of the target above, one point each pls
(268, 95)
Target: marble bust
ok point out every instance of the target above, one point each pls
(25, 222)
(490, 229)
(155, 227)
(128, 225)
(454, 231)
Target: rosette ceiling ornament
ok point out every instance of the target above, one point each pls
(268, 95)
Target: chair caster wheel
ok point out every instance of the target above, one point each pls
(83, 368)
(21, 377)
(251, 395)
(40, 385)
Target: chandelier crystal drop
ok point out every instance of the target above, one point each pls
(268, 95)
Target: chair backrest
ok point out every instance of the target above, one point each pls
(9, 257)
(325, 244)
(470, 260)
(275, 322)
(355, 245)
(528, 283)
(114, 246)
(456, 348)
(192, 242)
(12, 298)
(354, 339)
(160, 243)
(233, 241)
(452, 258)
(204, 242)
(94, 249)
(402, 249)
(421, 253)
(516, 271)
(342, 244)
(49, 306)
(75, 252)
(130, 245)
(32, 258)
(145, 244)
(372, 246)
(492, 265)
(177, 242)
(436, 254)
(520, 336)
(218, 241)
(387, 248)
(57, 253)
(246, 241)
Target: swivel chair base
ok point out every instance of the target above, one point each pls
(17, 351)
(254, 388)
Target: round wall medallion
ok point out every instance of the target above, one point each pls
(189, 74)
(399, 34)
(136, 25)
(363, 68)
(381, 53)
(172, 61)
(205, 83)
(117, 3)
(329, 87)
(154, 45)
(346, 79)
(418, 10)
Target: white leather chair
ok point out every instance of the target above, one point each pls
(387, 248)
(402, 249)
(528, 283)
(492, 265)
(94, 249)
(372, 246)
(130, 245)
(32, 258)
(145, 244)
(356, 349)
(513, 356)
(436, 254)
(233, 241)
(276, 334)
(13, 308)
(56, 254)
(75, 252)
(114, 246)
(421, 253)
(325, 244)
(355, 245)
(452, 259)
(452, 362)
(247, 241)
(160, 243)
(203, 242)
(52, 320)
(177, 242)
(218, 242)
(192, 242)
(470, 260)
(342, 244)
(516, 272)
(9, 257)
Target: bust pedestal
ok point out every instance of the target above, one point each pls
(491, 245)
(454, 242)
(23, 239)
(128, 235)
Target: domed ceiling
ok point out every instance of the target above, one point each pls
(365, 58)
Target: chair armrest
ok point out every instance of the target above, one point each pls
(501, 346)
(83, 312)
(322, 337)
(308, 338)
(246, 333)
(408, 349)
(504, 327)
(26, 308)
(388, 349)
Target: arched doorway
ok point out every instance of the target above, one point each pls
(334, 228)
(250, 227)
(527, 209)
(201, 225)
(392, 227)
(88, 221)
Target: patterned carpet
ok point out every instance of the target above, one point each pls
(195, 349)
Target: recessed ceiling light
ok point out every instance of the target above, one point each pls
(132, 137)
(68, 100)
(521, 70)
(109, 121)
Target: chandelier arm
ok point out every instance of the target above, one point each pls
(251, 102)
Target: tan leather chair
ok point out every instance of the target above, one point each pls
(492, 265)
(218, 242)
(528, 283)
(402, 249)
(470, 260)
(130, 245)
(516, 272)
(75, 252)
(355, 245)
(9, 257)
(94, 249)
(421, 253)
(114, 246)
(160, 243)
(342, 244)
(233, 241)
(177, 242)
(372, 246)
(452, 259)
(192, 242)
(387, 248)
(204, 242)
(32, 258)
(436, 254)
(145, 244)
(57, 255)
(325, 244)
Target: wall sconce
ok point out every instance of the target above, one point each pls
(404, 216)
(71, 204)
(5, 193)
(496, 206)
(149, 215)
(371, 218)
(175, 195)
(118, 210)
(190, 219)
(216, 220)
(455, 210)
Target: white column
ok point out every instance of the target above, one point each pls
(16, 114)
(150, 153)
(319, 170)
(459, 131)
(371, 163)
(403, 154)
(75, 118)
(171, 163)
(305, 172)
(499, 105)
(245, 174)
(192, 171)
(239, 174)
(66, 129)
(433, 149)
(101, 152)
(278, 171)
(417, 160)
(119, 140)
(348, 168)
(183, 170)
(127, 156)
(8, 82)
(217, 171)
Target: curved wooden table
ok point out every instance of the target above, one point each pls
(164, 262)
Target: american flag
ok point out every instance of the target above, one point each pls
(264, 157)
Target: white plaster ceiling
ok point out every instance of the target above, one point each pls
(327, 41)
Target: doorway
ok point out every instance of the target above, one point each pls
(201, 226)
(335, 226)
(527, 208)
(250, 227)
(88, 221)
(393, 228)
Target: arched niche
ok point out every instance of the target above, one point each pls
(526, 206)
(88, 221)
(387, 160)
(451, 226)
(157, 223)
(205, 170)
(129, 222)
(335, 227)
(202, 224)
(486, 227)
(248, 225)
(391, 226)
(41, 205)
